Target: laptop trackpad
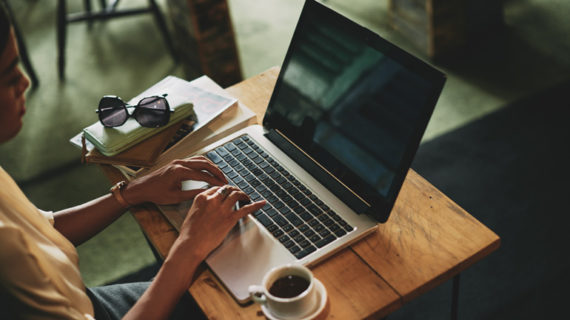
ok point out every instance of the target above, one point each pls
(245, 256)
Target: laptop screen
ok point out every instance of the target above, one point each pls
(354, 103)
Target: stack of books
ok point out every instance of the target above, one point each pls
(215, 115)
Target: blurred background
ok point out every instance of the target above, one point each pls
(501, 55)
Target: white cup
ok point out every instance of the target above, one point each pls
(286, 308)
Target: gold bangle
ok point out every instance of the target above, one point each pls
(117, 191)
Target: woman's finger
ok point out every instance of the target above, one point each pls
(250, 208)
(211, 191)
(202, 176)
(236, 195)
(201, 163)
(227, 193)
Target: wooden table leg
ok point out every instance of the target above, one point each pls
(455, 297)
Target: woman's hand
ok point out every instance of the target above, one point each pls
(164, 186)
(211, 217)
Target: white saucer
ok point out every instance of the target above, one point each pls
(321, 298)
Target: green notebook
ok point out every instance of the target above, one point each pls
(111, 141)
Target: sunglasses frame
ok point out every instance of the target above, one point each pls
(125, 106)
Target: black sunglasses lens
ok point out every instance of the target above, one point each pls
(152, 112)
(112, 112)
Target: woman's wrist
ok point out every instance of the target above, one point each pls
(118, 192)
(131, 193)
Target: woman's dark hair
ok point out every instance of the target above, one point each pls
(4, 27)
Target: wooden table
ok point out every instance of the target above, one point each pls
(427, 240)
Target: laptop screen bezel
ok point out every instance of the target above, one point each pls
(360, 197)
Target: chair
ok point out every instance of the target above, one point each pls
(107, 11)
(22, 46)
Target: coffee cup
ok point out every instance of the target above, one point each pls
(287, 292)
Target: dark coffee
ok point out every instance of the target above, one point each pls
(289, 286)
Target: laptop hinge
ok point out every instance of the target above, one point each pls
(344, 193)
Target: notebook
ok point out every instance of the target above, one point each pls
(344, 121)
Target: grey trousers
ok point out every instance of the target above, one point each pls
(112, 302)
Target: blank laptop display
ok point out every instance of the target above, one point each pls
(342, 126)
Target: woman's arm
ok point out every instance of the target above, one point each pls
(163, 186)
(82, 222)
(210, 218)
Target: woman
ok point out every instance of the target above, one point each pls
(39, 271)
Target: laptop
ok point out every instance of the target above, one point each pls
(344, 121)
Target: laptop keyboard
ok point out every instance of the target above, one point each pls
(295, 216)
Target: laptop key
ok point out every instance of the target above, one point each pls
(294, 233)
(306, 216)
(278, 204)
(214, 157)
(314, 238)
(284, 210)
(299, 238)
(328, 222)
(284, 238)
(280, 220)
(324, 241)
(340, 233)
(230, 146)
(264, 220)
(325, 233)
(271, 212)
(222, 151)
(232, 174)
(266, 193)
(314, 209)
(305, 243)
(305, 252)
(309, 233)
(319, 227)
(241, 145)
(289, 244)
(294, 249)
(294, 219)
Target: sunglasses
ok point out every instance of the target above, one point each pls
(151, 112)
